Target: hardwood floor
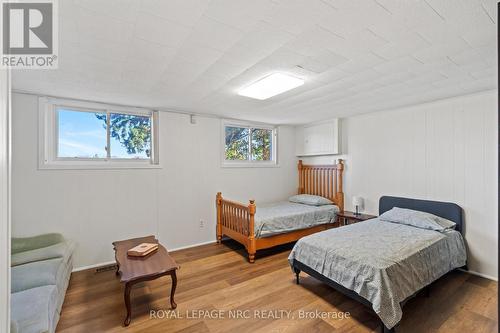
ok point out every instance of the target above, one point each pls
(216, 277)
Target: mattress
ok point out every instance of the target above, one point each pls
(281, 217)
(383, 262)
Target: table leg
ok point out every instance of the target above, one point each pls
(172, 291)
(128, 287)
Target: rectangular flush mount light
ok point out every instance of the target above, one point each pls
(270, 86)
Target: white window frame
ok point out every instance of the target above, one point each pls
(48, 137)
(249, 163)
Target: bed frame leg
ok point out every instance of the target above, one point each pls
(251, 257)
(218, 202)
(297, 277)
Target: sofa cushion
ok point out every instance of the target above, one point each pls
(38, 273)
(63, 284)
(34, 310)
(22, 244)
(60, 250)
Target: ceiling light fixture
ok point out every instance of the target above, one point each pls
(270, 86)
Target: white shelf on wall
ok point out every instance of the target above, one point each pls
(317, 139)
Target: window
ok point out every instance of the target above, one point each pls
(249, 145)
(80, 135)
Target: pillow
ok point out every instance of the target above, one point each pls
(417, 219)
(308, 199)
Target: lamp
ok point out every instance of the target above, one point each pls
(357, 202)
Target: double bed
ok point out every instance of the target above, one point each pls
(284, 222)
(382, 263)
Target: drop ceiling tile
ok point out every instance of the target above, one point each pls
(321, 60)
(68, 27)
(149, 52)
(198, 54)
(265, 36)
(256, 46)
(412, 13)
(365, 40)
(488, 72)
(283, 58)
(451, 70)
(452, 82)
(478, 36)
(476, 19)
(332, 75)
(329, 58)
(139, 78)
(99, 26)
(440, 50)
(398, 65)
(490, 7)
(406, 44)
(451, 9)
(184, 12)
(213, 34)
(362, 77)
(480, 85)
(106, 50)
(224, 70)
(295, 16)
(489, 54)
(241, 14)
(389, 28)
(124, 10)
(181, 73)
(465, 57)
(426, 78)
(361, 62)
(159, 30)
(395, 78)
(474, 66)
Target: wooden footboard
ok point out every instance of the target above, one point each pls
(237, 221)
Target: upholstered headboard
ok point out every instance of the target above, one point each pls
(447, 210)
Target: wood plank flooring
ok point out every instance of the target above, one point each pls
(218, 277)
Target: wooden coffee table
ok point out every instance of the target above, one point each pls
(133, 270)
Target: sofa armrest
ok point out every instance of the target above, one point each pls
(23, 244)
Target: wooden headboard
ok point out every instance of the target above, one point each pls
(323, 180)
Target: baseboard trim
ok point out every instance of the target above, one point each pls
(489, 277)
(190, 246)
(83, 268)
(106, 263)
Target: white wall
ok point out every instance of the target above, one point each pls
(96, 207)
(445, 150)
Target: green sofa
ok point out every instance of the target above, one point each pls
(40, 271)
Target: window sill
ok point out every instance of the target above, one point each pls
(250, 165)
(100, 166)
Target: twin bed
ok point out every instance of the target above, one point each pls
(284, 222)
(382, 262)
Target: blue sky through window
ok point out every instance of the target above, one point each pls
(83, 135)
